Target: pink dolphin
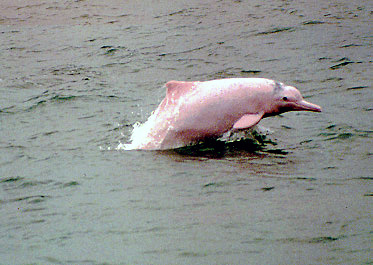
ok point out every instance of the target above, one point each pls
(194, 111)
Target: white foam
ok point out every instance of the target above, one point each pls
(139, 135)
(151, 133)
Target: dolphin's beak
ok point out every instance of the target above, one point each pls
(307, 106)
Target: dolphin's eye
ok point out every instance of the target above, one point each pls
(285, 98)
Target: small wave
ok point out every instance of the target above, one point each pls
(275, 30)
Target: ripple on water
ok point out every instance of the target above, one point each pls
(71, 74)
(342, 132)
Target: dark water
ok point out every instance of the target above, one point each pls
(75, 76)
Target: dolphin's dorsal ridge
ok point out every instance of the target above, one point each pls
(177, 88)
(248, 120)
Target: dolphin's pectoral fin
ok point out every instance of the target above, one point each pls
(248, 120)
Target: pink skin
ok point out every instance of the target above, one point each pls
(193, 111)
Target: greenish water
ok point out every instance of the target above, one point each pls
(76, 76)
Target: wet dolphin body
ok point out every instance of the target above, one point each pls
(194, 111)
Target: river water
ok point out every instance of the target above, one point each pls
(76, 76)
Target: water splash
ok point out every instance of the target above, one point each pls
(143, 134)
(151, 133)
(139, 134)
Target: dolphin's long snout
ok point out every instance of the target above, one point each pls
(308, 106)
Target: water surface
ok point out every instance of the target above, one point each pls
(76, 76)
